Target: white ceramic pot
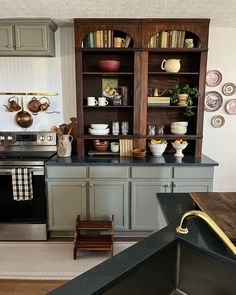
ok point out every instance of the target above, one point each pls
(171, 65)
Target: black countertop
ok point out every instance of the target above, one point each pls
(166, 160)
(173, 206)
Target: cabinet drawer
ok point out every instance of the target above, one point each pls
(66, 172)
(108, 172)
(193, 172)
(151, 172)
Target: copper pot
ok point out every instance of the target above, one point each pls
(34, 105)
(23, 118)
(13, 104)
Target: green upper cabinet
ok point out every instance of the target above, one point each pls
(26, 37)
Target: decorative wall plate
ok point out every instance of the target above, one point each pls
(213, 78)
(230, 107)
(213, 101)
(229, 88)
(218, 121)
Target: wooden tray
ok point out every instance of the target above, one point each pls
(96, 153)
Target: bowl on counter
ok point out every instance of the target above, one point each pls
(139, 153)
(179, 147)
(157, 149)
(108, 65)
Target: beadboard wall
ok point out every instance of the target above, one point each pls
(41, 74)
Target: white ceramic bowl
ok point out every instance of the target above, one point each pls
(99, 126)
(98, 131)
(179, 147)
(157, 149)
(177, 124)
(179, 130)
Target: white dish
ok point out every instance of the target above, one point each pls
(99, 126)
(179, 147)
(179, 130)
(98, 131)
(175, 124)
(157, 149)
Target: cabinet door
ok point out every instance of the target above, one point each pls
(107, 198)
(66, 199)
(145, 210)
(192, 186)
(6, 38)
(31, 38)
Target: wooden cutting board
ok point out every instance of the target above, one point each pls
(221, 207)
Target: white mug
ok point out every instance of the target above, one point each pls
(102, 101)
(91, 101)
(115, 147)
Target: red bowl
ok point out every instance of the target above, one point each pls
(109, 65)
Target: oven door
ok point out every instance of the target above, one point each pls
(22, 217)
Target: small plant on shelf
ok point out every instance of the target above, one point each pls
(184, 97)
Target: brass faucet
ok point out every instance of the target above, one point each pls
(182, 229)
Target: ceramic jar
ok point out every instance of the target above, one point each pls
(64, 145)
(171, 65)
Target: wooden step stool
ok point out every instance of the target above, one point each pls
(102, 242)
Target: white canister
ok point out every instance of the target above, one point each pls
(64, 145)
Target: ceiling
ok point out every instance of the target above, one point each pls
(63, 12)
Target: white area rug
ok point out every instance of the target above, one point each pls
(49, 260)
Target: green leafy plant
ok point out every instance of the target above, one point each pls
(192, 94)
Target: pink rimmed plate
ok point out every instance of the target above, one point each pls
(230, 107)
(218, 121)
(213, 78)
(213, 101)
(229, 89)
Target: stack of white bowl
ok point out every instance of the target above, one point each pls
(179, 127)
(98, 129)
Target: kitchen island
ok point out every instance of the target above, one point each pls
(96, 187)
(115, 273)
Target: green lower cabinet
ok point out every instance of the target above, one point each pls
(110, 197)
(66, 199)
(146, 214)
(192, 186)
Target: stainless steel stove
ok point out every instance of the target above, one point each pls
(24, 220)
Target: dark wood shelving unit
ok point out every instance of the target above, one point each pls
(140, 70)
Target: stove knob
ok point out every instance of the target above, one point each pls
(41, 138)
(49, 138)
(2, 137)
(9, 138)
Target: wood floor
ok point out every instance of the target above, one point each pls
(27, 287)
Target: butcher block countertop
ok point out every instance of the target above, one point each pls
(221, 207)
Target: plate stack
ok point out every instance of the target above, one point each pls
(99, 129)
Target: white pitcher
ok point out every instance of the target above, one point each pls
(64, 145)
(171, 65)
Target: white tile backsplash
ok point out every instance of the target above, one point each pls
(31, 74)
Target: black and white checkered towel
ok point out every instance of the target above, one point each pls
(22, 184)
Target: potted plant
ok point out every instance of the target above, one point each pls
(184, 97)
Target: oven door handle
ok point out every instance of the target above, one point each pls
(36, 171)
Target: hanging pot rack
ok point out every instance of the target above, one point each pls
(30, 93)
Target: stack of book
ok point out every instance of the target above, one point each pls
(103, 39)
(158, 100)
(168, 39)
